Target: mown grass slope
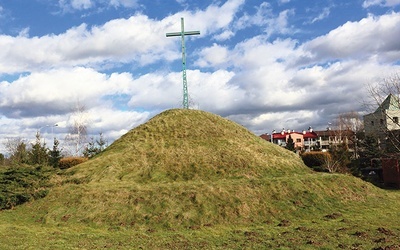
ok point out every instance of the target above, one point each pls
(191, 179)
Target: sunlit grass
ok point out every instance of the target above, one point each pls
(190, 179)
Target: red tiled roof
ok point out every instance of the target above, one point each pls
(310, 135)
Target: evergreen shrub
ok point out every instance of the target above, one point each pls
(315, 159)
(22, 184)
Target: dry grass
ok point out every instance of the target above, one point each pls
(190, 179)
(189, 145)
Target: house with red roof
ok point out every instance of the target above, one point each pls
(302, 140)
(309, 140)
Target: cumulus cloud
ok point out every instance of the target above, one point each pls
(265, 17)
(41, 99)
(121, 40)
(215, 17)
(215, 56)
(117, 41)
(270, 81)
(372, 37)
(56, 91)
(264, 80)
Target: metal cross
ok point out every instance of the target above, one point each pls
(182, 34)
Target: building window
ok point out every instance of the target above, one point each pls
(298, 140)
(372, 123)
(381, 121)
(396, 120)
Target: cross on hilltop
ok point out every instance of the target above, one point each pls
(182, 34)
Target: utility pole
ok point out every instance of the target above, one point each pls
(182, 34)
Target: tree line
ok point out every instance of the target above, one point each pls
(37, 153)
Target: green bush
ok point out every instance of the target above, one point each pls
(22, 184)
(315, 159)
(69, 162)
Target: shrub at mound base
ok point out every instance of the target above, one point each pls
(68, 162)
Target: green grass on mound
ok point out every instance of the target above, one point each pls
(181, 145)
(320, 211)
(189, 179)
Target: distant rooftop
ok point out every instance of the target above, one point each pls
(390, 103)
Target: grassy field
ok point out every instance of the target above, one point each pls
(192, 180)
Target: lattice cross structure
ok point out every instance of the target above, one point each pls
(182, 34)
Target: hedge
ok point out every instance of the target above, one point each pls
(69, 162)
(315, 159)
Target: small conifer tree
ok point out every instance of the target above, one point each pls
(38, 153)
(55, 154)
(290, 143)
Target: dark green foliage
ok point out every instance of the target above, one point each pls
(315, 159)
(2, 160)
(341, 156)
(55, 154)
(368, 151)
(290, 143)
(68, 162)
(336, 160)
(369, 160)
(369, 148)
(22, 184)
(38, 154)
(95, 147)
(91, 149)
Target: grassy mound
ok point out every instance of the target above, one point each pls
(191, 179)
(181, 168)
(182, 145)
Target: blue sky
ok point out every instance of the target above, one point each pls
(267, 65)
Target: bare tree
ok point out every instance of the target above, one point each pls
(378, 92)
(17, 150)
(346, 128)
(11, 145)
(350, 121)
(77, 136)
(383, 103)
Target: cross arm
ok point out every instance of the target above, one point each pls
(186, 33)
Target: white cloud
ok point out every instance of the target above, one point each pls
(117, 41)
(69, 5)
(121, 40)
(215, 56)
(368, 38)
(388, 3)
(56, 91)
(214, 17)
(268, 83)
(225, 35)
(324, 14)
(49, 97)
(265, 17)
(81, 4)
(123, 3)
(258, 82)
